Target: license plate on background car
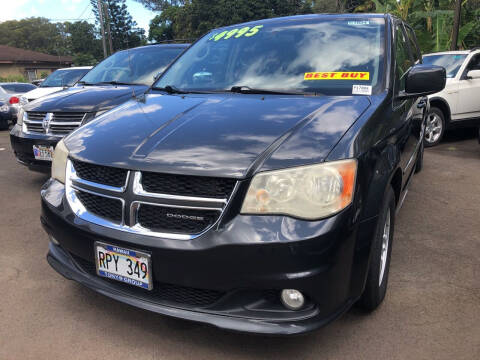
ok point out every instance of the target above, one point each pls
(42, 152)
(125, 265)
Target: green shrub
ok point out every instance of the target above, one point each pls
(13, 78)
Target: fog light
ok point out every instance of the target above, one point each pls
(292, 299)
(53, 240)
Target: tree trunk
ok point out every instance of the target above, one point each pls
(456, 24)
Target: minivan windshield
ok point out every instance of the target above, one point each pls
(135, 66)
(63, 78)
(312, 55)
(451, 62)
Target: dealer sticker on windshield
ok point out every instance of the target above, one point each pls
(361, 90)
(337, 75)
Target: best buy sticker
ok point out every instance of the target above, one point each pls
(335, 75)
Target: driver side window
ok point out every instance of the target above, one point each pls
(474, 63)
(403, 61)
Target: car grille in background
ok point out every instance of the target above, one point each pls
(62, 123)
(183, 185)
(104, 175)
(107, 208)
(175, 206)
(175, 220)
(162, 291)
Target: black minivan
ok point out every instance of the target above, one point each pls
(125, 74)
(254, 187)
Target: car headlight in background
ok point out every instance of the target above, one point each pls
(307, 192)
(23, 100)
(59, 163)
(21, 116)
(4, 108)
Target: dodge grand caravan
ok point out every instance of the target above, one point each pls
(43, 122)
(251, 188)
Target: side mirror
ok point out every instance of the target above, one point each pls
(473, 74)
(423, 80)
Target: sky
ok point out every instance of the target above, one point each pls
(66, 10)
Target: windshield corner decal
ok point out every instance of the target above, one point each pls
(361, 90)
(337, 75)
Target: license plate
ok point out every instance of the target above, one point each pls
(42, 152)
(125, 265)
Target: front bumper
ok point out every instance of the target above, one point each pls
(22, 145)
(246, 261)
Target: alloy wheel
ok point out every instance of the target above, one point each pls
(384, 249)
(433, 129)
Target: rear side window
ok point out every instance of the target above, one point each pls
(474, 64)
(413, 44)
(17, 88)
(403, 61)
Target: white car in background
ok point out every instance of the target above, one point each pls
(56, 81)
(459, 103)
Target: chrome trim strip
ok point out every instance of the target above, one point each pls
(135, 228)
(138, 190)
(65, 123)
(79, 181)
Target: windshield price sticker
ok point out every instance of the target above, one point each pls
(337, 75)
(246, 31)
(361, 90)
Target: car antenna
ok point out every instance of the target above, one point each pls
(131, 71)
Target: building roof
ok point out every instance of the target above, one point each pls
(10, 54)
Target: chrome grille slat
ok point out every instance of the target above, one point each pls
(164, 216)
(60, 124)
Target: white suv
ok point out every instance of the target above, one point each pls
(459, 103)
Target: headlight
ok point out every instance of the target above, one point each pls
(22, 115)
(307, 192)
(4, 108)
(23, 100)
(59, 163)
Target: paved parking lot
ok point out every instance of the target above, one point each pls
(432, 309)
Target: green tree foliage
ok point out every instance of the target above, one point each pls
(124, 30)
(35, 33)
(431, 19)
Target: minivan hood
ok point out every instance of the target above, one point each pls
(230, 135)
(85, 98)
(42, 91)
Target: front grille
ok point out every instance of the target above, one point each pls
(202, 186)
(151, 202)
(161, 291)
(107, 208)
(175, 220)
(62, 123)
(101, 174)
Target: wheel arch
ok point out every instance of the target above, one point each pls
(442, 104)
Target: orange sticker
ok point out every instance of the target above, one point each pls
(337, 75)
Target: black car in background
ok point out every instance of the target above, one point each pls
(252, 188)
(5, 115)
(125, 74)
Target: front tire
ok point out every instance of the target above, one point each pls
(435, 127)
(377, 278)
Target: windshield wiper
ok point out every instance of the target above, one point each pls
(170, 89)
(85, 83)
(249, 90)
(174, 90)
(113, 82)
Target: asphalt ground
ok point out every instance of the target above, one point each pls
(431, 311)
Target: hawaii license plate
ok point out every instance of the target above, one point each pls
(42, 152)
(129, 266)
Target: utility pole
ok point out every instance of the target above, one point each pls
(109, 33)
(102, 29)
(456, 24)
